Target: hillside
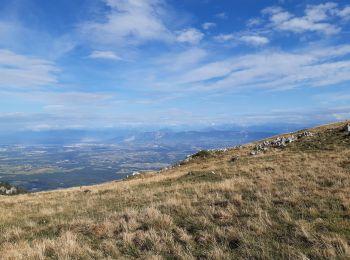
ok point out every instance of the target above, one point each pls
(264, 200)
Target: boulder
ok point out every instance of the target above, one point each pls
(7, 189)
(2, 190)
(279, 142)
(11, 191)
(305, 134)
(135, 173)
(347, 128)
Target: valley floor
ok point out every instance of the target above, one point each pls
(284, 203)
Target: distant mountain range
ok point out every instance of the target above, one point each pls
(205, 139)
(142, 136)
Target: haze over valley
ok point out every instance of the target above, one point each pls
(45, 161)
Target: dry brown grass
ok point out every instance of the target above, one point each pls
(284, 204)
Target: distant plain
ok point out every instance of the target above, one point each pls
(48, 166)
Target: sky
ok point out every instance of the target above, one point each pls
(167, 63)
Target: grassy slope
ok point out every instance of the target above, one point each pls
(291, 203)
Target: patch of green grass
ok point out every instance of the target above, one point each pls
(203, 154)
(201, 176)
(329, 140)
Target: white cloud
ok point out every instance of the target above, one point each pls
(181, 60)
(191, 35)
(224, 37)
(274, 70)
(320, 12)
(16, 35)
(208, 25)
(64, 102)
(254, 22)
(24, 71)
(57, 109)
(169, 117)
(344, 13)
(297, 116)
(300, 25)
(254, 40)
(222, 15)
(108, 55)
(129, 22)
(316, 19)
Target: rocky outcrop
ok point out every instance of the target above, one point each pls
(7, 189)
(279, 142)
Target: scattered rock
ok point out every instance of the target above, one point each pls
(11, 191)
(7, 189)
(204, 154)
(279, 142)
(188, 159)
(305, 134)
(218, 150)
(165, 169)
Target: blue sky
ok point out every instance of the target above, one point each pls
(169, 63)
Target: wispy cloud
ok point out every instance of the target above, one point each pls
(24, 71)
(296, 116)
(278, 70)
(222, 15)
(344, 13)
(317, 18)
(254, 21)
(224, 37)
(250, 39)
(65, 102)
(168, 117)
(15, 35)
(129, 22)
(191, 35)
(107, 55)
(208, 25)
(179, 61)
(254, 40)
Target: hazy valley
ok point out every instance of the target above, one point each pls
(87, 158)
